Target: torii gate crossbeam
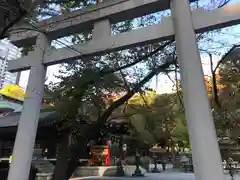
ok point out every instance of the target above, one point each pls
(204, 144)
(113, 10)
(202, 21)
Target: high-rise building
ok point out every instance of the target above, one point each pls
(3, 65)
(7, 52)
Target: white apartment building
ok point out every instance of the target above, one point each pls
(7, 52)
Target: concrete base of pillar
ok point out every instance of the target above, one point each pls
(43, 176)
(104, 171)
(138, 173)
(156, 170)
(120, 171)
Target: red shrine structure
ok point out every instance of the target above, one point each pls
(100, 155)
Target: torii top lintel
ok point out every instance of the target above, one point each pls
(202, 21)
(77, 21)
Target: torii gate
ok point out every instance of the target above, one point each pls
(183, 24)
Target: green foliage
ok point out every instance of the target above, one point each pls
(180, 134)
(155, 117)
(228, 116)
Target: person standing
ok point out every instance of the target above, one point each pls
(230, 167)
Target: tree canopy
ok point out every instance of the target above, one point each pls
(81, 98)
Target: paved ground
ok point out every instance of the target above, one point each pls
(155, 176)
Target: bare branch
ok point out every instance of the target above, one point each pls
(214, 83)
(222, 60)
(214, 70)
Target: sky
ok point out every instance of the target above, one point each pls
(162, 84)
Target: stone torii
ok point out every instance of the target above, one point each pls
(183, 24)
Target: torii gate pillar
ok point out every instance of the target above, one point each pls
(27, 128)
(204, 144)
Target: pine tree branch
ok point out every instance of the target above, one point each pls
(224, 3)
(107, 113)
(105, 72)
(108, 71)
(22, 14)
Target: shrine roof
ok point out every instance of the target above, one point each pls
(46, 118)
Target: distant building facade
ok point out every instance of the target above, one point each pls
(7, 52)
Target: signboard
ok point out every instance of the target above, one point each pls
(99, 150)
(100, 155)
(157, 149)
(13, 91)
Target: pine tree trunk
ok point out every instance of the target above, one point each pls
(77, 153)
(63, 155)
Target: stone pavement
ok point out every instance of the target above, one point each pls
(154, 176)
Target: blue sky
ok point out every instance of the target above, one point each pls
(229, 36)
(162, 84)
